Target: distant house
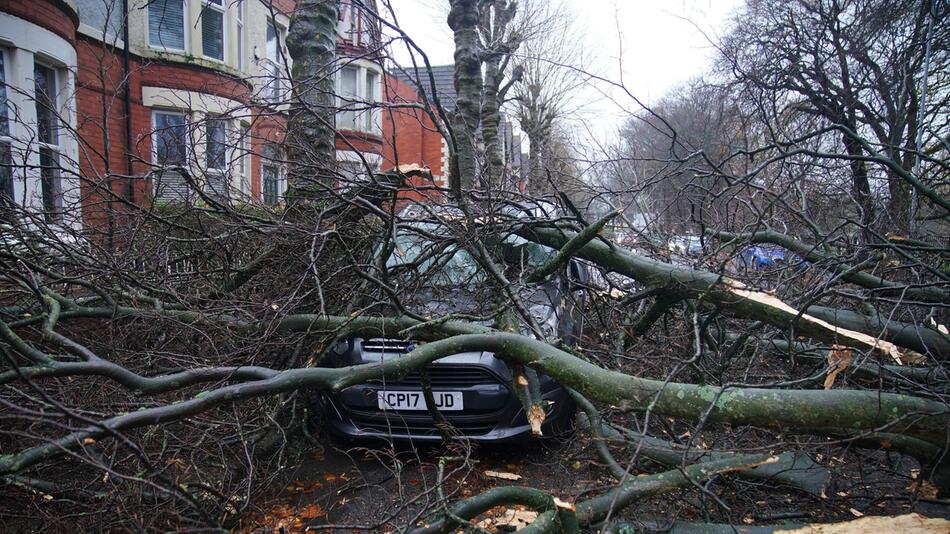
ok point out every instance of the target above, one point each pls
(194, 98)
(413, 138)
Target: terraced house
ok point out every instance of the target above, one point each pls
(109, 103)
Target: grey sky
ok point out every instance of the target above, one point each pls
(650, 45)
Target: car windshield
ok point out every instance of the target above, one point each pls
(447, 264)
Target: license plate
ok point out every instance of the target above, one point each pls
(446, 401)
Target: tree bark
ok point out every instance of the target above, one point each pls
(311, 136)
(463, 20)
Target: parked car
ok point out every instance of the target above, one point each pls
(472, 390)
(759, 257)
(685, 245)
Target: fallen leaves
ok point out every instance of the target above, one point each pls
(304, 486)
(923, 489)
(290, 519)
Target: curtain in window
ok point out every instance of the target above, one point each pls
(166, 24)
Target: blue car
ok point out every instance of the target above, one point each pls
(759, 257)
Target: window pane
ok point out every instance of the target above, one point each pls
(212, 33)
(216, 144)
(240, 43)
(166, 24)
(371, 81)
(6, 173)
(44, 82)
(346, 118)
(103, 15)
(4, 125)
(50, 184)
(170, 139)
(269, 177)
(272, 69)
(271, 42)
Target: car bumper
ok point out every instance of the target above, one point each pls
(352, 414)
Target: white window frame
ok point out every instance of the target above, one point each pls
(160, 168)
(221, 8)
(7, 139)
(223, 121)
(366, 120)
(243, 157)
(53, 213)
(186, 29)
(187, 144)
(281, 177)
(273, 82)
(240, 40)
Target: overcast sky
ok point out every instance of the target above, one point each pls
(654, 44)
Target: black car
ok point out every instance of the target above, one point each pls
(472, 390)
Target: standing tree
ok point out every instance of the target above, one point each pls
(858, 66)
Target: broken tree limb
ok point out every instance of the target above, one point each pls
(570, 249)
(915, 377)
(919, 338)
(733, 296)
(592, 510)
(596, 510)
(797, 470)
(597, 434)
(479, 504)
(807, 411)
(813, 254)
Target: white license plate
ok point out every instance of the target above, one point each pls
(446, 401)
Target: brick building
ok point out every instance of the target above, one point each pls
(177, 96)
(419, 141)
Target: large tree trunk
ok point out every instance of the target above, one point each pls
(860, 186)
(310, 133)
(463, 20)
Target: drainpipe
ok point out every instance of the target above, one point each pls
(126, 74)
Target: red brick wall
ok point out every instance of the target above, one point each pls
(53, 15)
(101, 114)
(410, 137)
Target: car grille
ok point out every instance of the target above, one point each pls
(441, 375)
(392, 423)
(391, 346)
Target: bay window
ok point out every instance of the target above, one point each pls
(239, 37)
(272, 83)
(349, 99)
(358, 91)
(372, 84)
(216, 155)
(271, 181)
(212, 29)
(244, 178)
(170, 142)
(6, 158)
(167, 24)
